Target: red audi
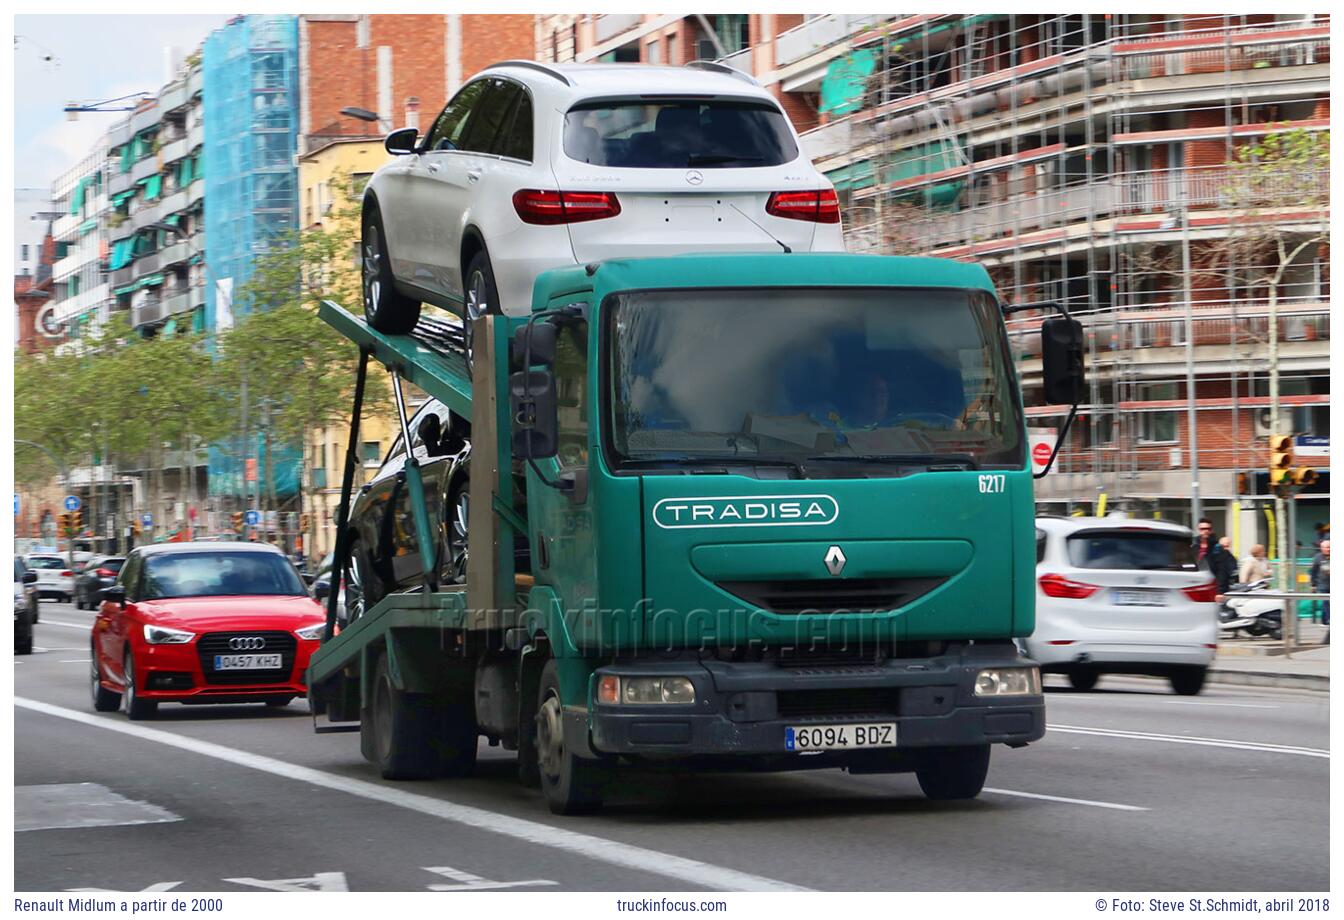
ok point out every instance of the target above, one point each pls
(203, 623)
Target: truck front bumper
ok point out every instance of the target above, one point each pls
(742, 709)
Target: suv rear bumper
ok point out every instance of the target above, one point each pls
(743, 709)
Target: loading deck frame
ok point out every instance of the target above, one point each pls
(443, 374)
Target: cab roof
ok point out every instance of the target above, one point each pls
(797, 269)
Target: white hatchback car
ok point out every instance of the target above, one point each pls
(535, 166)
(1122, 596)
(55, 577)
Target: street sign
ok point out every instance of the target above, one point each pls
(253, 518)
(1312, 446)
(1042, 441)
(16, 504)
(72, 503)
(147, 519)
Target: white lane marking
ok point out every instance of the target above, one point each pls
(74, 660)
(1191, 739)
(80, 626)
(1110, 700)
(319, 881)
(466, 881)
(1059, 798)
(65, 805)
(584, 845)
(1211, 703)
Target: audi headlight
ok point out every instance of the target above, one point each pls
(164, 635)
(311, 632)
(1008, 682)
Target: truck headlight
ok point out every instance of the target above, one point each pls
(163, 635)
(1008, 682)
(639, 691)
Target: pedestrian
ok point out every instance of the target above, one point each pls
(1212, 558)
(1320, 583)
(1255, 566)
(1226, 544)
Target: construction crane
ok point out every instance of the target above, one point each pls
(127, 103)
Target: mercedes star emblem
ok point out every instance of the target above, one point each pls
(835, 560)
(695, 177)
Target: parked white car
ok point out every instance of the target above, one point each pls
(55, 577)
(1121, 596)
(535, 166)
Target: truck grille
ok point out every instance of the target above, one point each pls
(212, 644)
(858, 703)
(833, 595)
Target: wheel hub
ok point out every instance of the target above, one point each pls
(550, 738)
(372, 266)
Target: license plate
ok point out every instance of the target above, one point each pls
(246, 662)
(1137, 598)
(839, 737)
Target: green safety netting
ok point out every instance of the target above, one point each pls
(842, 87)
(77, 196)
(88, 226)
(121, 254)
(853, 177)
(922, 160)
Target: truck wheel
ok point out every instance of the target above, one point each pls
(1188, 681)
(403, 736)
(1083, 680)
(954, 773)
(23, 637)
(104, 700)
(481, 297)
(572, 785)
(386, 310)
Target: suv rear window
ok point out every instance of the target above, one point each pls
(47, 562)
(678, 134)
(1110, 549)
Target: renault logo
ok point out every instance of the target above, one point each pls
(695, 177)
(835, 560)
(247, 643)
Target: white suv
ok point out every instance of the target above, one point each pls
(1115, 595)
(533, 166)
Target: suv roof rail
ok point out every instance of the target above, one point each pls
(716, 67)
(533, 65)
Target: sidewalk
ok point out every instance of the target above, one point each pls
(1261, 663)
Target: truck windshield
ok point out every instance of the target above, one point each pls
(815, 378)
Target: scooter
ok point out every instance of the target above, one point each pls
(1242, 611)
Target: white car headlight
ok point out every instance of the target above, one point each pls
(1008, 682)
(311, 633)
(164, 635)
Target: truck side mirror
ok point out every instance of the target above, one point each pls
(532, 407)
(1063, 376)
(542, 345)
(401, 141)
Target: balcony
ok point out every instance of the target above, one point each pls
(147, 312)
(65, 226)
(145, 216)
(147, 264)
(120, 134)
(195, 191)
(830, 140)
(121, 277)
(119, 181)
(740, 60)
(609, 25)
(175, 253)
(144, 119)
(197, 296)
(173, 151)
(195, 83)
(195, 136)
(82, 302)
(815, 34)
(145, 168)
(171, 204)
(174, 97)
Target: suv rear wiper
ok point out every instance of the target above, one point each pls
(704, 159)
(935, 462)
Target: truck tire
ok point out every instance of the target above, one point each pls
(480, 297)
(1083, 680)
(385, 309)
(104, 700)
(402, 729)
(23, 636)
(1188, 681)
(572, 785)
(952, 774)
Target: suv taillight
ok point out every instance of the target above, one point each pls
(1059, 586)
(105, 573)
(67, 574)
(540, 206)
(820, 206)
(1204, 594)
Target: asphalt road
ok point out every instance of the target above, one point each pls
(1132, 789)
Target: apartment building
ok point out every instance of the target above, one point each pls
(80, 197)
(155, 242)
(1084, 159)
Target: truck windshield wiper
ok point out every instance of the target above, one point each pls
(932, 461)
(704, 159)
(714, 464)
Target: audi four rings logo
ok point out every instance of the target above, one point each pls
(247, 643)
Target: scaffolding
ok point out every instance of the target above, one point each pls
(1084, 159)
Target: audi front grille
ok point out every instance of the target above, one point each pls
(212, 644)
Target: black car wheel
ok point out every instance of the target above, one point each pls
(386, 310)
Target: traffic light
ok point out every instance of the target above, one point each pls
(1304, 476)
(238, 521)
(64, 520)
(76, 521)
(135, 527)
(1244, 484)
(1280, 458)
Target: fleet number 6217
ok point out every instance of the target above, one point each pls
(993, 482)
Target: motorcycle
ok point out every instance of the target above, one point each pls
(1242, 611)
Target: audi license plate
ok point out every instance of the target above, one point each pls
(839, 737)
(246, 662)
(1137, 597)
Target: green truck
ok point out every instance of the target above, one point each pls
(778, 512)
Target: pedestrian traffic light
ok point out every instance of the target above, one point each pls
(1280, 458)
(238, 521)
